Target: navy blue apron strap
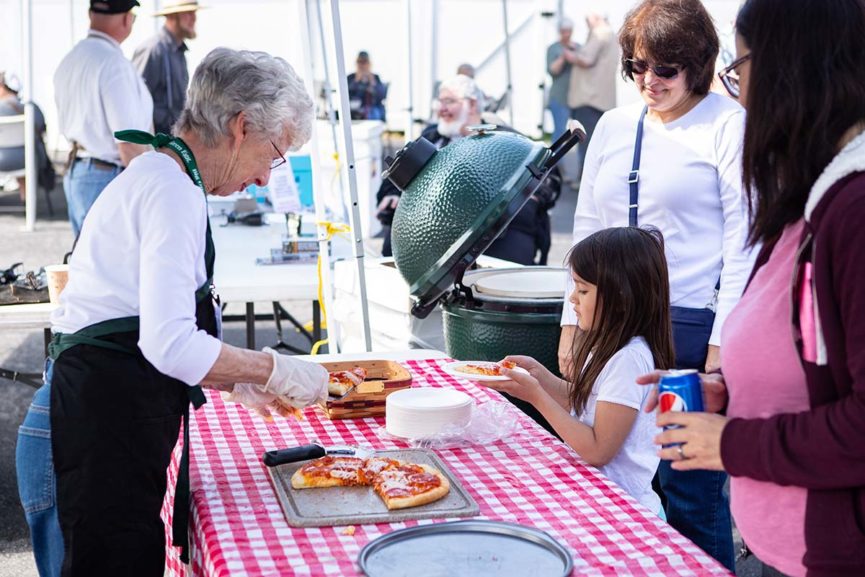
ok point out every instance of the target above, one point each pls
(634, 175)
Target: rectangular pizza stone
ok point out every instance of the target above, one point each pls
(361, 505)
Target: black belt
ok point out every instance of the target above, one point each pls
(100, 164)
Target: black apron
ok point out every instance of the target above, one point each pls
(115, 421)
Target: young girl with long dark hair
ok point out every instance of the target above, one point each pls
(622, 301)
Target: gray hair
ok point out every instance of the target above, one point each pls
(464, 87)
(265, 87)
(566, 23)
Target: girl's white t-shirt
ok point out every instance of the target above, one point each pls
(636, 462)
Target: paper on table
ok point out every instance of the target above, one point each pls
(284, 194)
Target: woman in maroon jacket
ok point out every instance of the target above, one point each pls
(793, 438)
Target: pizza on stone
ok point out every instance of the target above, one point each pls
(328, 471)
(399, 484)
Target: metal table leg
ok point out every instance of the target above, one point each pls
(280, 314)
(250, 326)
(316, 325)
(32, 379)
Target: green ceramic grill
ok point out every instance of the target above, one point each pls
(455, 202)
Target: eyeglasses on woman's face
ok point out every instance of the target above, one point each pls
(640, 67)
(277, 161)
(730, 75)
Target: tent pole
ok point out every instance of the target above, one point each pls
(29, 120)
(318, 199)
(71, 22)
(508, 62)
(434, 53)
(409, 132)
(328, 101)
(349, 163)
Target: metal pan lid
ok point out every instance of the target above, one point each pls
(465, 549)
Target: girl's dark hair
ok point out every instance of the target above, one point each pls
(673, 32)
(628, 266)
(806, 88)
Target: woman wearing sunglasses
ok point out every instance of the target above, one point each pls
(673, 161)
(793, 438)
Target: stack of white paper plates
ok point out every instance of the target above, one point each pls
(422, 412)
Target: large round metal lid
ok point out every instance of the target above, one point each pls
(521, 284)
(457, 204)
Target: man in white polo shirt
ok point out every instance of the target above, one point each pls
(99, 92)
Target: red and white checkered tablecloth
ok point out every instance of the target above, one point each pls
(237, 527)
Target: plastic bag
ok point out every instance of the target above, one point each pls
(490, 422)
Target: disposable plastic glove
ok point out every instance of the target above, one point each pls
(252, 397)
(296, 383)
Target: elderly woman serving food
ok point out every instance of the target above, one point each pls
(138, 328)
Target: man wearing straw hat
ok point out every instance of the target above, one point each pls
(161, 60)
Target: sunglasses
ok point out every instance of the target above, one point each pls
(633, 66)
(730, 76)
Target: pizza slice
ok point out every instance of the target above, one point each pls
(286, 409)
(491, 370)
(373, 467)
(341, 382)
(328, 472)
(409, 485)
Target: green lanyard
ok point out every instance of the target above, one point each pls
(183, 151)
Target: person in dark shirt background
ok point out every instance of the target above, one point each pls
(366, 92)
(459, 105)
(161, 61)
(12, 158)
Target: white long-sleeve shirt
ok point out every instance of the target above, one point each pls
(690, 188)
(141, 252)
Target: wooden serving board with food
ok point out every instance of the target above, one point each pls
(359, 389)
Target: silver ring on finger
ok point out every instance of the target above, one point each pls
(682, 456)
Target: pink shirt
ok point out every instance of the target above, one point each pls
(764, 377)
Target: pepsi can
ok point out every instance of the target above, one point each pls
(680, 391)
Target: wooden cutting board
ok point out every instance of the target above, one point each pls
(361, 505)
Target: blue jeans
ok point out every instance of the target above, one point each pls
(36, 481)
(698, 509)
(561, 114)
(83, 183)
